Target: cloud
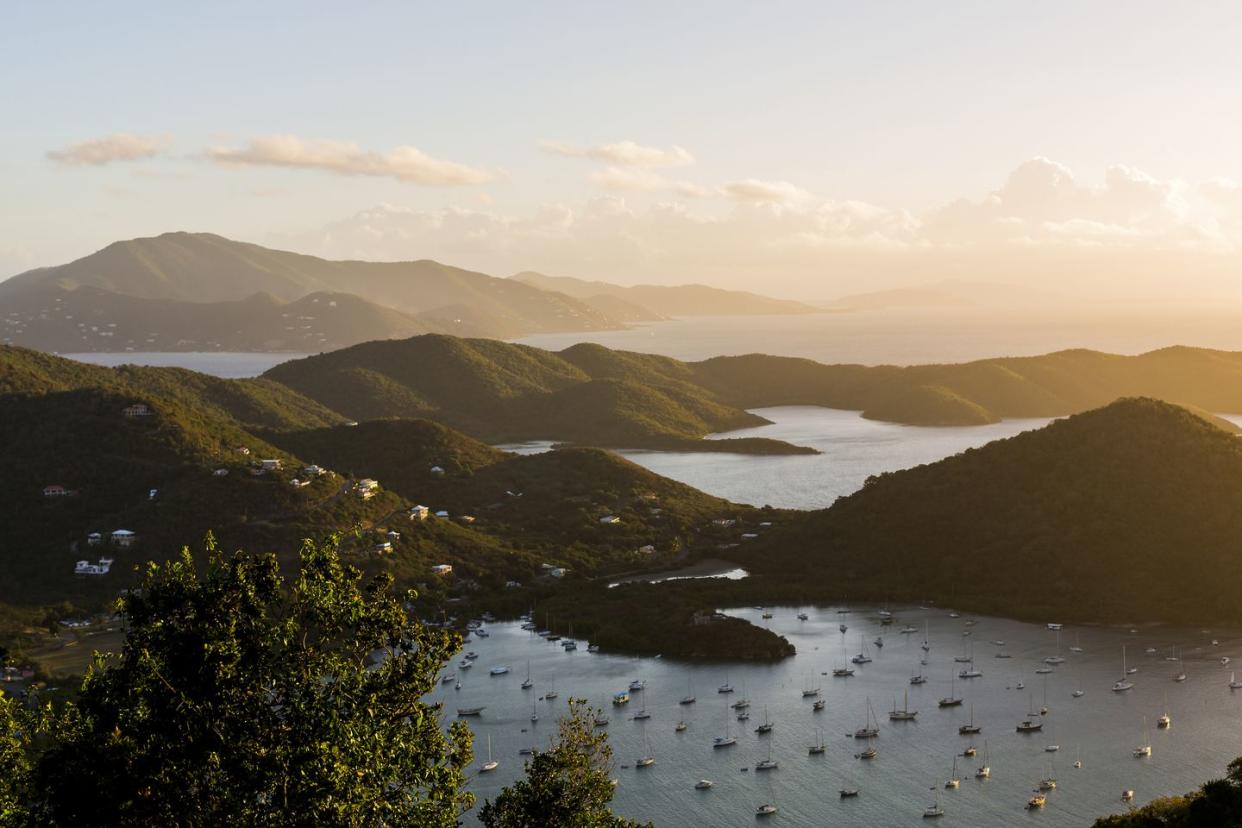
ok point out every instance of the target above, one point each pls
(623, 179)
(121, 146)
(625, 153)
(404, 163)
(763, 192)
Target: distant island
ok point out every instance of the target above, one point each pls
(203, 292)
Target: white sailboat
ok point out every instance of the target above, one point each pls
(1143, 751)
(862, 657)
(726, 740)
(1180, 675)
(1058, 658)
(871, 725)
(950, 700)
(689, 697)
(819, 747)
(766, 727)
(953, 782)
(647, 759)
(971, 728)
(491, 764)
(769, 763)
(1234, 684)
(527, 683)
(1123, 684)
(934, 810)
(984, 771)
(905, 714)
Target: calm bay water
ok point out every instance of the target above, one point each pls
(1101, 727)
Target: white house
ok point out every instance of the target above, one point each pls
(724, 523)
(466, 518)
(749, 535)
(382, 548)
(270, 465)
(124, 538)
(366, 488)
(437, 471)
(137, 410)
(94, 539)
(442, 514)
(610, 520)
(312, 471)
(88, 568)
(646, 550)
(442, 569)
(55, 490)
(419, 512)
(221, 473)
(557, 572)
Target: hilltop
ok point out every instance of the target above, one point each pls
(1129, 512)
(210, 283)
(661, 301)
(500, 392)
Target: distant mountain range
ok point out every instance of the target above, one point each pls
(660, 300)
(202, 292)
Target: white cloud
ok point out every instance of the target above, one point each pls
(622, 179)
(763, 192)
(121, 146)
(404, 163)
(626, 153)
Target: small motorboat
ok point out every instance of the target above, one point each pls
(680, 727)
(765, 810)
(849, 793)
(703, 784)
(1127, 795)
(1037, 800)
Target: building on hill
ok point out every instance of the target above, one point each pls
(88, 568)
(221, 473)
(55, 490)
(442, 569)
(443, 513)
(94, 539)
(137, 410)
(124, 538)
(366, 488)
(419, 512)
(382, 548)
(270, 465)
(312, 471)
(724, 523)
(437, 471)
(647, 550)
(466, 518)
(610, 520)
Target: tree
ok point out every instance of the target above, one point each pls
(567, 786)
(241, 700)
(15, 738)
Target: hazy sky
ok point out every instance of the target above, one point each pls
(807, 149)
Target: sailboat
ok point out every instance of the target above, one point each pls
(689, 697)
(950, 700)
(963, 658)
(680, 727)
(917, 678)
(972, 728)
(491, 764)
(953, 782)
(1076, 648)
(642, 713)
(1122, 684)
(1058, 658)
(868, 754)
(1234, 684)
(551, 693)
(1049, 782)
(646, 760)
(808, 691)
(1181, 669)
(818, 705)
(1078, 759)
(984, 771)
(743, 702)
(871, 727)
(1143, 751)
(765, 810)
(726, 740)
(726, 687)
(534, 714)
(819, 747)
(1029, 724)
(1165, 721)
(934, 810)
(862, 657)
(526, 682)
(769, 763)
(766, 727)
(926, 645)
(905, 714)
(842, 671)
(1043, 709)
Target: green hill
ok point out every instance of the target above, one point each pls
(1129, 512)
(500, 392)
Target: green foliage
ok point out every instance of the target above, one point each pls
(1132, 505)
(239, 699)
(567, 786)
(1218, 804)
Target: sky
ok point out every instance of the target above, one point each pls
(806, 149)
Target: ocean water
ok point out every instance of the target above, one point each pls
(1102, 727)
(852, 449)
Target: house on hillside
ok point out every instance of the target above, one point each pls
(724, 523)
(55, 490)
(442, 569)
(382, 548)
(442, 514)
(366, 488)
(437, 471)
(270, 465)
(610, 520)
(221, 473)
(123, 538)
(419, 512)
(312, 471)
(137, 410)
(94, 539)
(647, 550)
(466, 518)
(88, 568)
